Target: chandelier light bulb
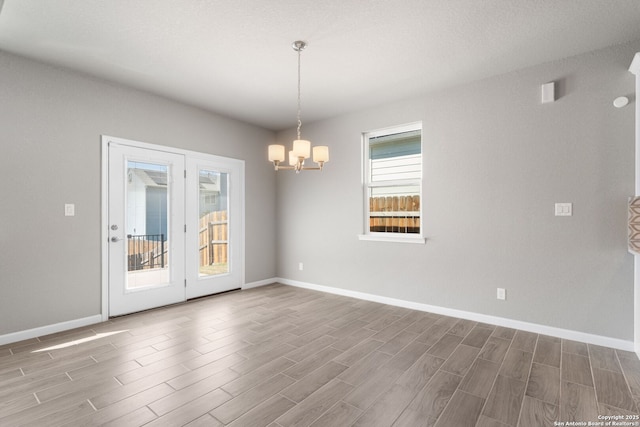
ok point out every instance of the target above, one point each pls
(276, 153)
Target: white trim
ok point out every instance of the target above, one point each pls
(635, 69)
(259, 283)
(243, 213)
(49, 329)
(104, 233)
(173, 150)
(494, 320)
(484, 318)
(91, 320)
(636, 304)
(407, 127)
(635, 64)
(387, 237)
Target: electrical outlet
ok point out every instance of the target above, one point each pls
(564, 209)
(502, 294)
(300, 266)
(69, 209)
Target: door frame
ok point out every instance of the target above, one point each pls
(104, 200)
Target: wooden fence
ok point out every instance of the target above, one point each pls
(394, 214)
(214, 238)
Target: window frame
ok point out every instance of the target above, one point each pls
(367, 185)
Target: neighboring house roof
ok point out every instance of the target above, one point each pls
(210, 182)
(151, 178)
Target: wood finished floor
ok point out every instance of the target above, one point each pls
(280, 356)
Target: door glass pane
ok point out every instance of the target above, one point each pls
(147, 205)
(214, 224)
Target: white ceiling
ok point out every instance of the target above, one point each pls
(235, 57)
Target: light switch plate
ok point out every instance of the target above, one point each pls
(69, 209)
(564, 209)
(501, 294)
(548, 92)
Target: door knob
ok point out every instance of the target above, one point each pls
(115, 239)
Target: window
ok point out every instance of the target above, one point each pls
(393, 184)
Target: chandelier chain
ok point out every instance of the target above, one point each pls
(299, 120)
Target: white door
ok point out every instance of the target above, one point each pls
(174, 222)
(214, 225)
(146, 205)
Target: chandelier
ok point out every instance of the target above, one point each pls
(301, 147)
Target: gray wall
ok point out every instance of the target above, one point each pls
(51, 121)
(495, 162)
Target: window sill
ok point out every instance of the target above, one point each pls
(395, 239)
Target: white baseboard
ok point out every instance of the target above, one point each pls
(484, 318)
(259, 283)
(77, 323)
(493, 320)
(49, 329)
